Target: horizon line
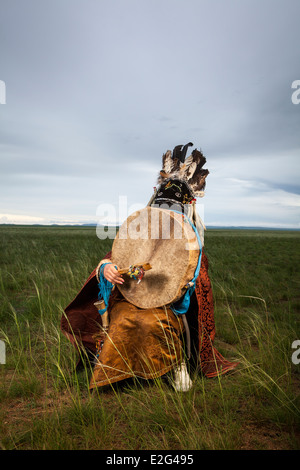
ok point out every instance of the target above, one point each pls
(212, 226)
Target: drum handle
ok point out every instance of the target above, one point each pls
(144, 266)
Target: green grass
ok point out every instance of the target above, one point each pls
(45, 402)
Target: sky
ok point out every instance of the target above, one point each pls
(94, 92)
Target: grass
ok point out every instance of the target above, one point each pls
(45, 402)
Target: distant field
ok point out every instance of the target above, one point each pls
(45, 403)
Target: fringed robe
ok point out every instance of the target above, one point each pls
(135, 345)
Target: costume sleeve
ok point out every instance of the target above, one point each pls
(81, 320)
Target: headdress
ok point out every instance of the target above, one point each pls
(181, 179)
(188, 170)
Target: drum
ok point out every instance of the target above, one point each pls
(166, 240)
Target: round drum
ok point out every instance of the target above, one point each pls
(167, 241)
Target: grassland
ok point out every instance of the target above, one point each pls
(45, 402)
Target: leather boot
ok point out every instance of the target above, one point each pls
(181, 380)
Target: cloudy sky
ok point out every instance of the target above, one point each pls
(96, 91)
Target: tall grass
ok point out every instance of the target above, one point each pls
(46, 402)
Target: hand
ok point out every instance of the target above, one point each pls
(111, 274)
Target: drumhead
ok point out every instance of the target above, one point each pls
(167, 241)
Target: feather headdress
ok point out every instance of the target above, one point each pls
(176, 166)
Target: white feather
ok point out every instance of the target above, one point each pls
(188, 168)
(167, 162)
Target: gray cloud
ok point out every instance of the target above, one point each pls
(97, 91)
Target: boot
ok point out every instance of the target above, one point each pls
(181, 380)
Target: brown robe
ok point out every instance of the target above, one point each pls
(136, 343)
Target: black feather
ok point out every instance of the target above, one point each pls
(179, 152)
